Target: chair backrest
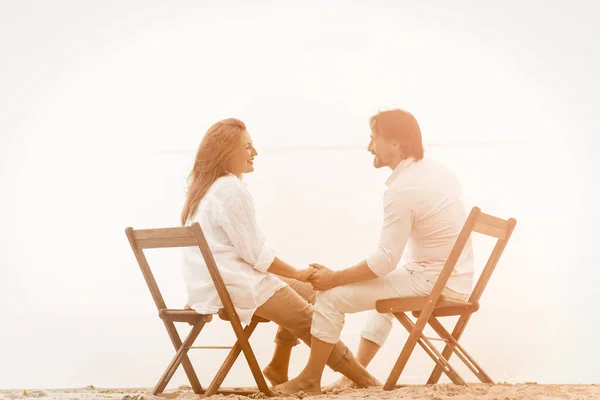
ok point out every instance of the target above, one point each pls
(186, 236)
(485, 224)
(498, 228)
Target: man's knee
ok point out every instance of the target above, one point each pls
(334, 299)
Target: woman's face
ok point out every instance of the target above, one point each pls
(242, 160)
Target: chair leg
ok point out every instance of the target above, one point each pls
(409, 346)
(460, 351)
(229, 361)
(433, 352)
(447, 352)
(250, 358)
(181, 358)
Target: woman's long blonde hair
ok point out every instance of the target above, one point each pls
(212, 158)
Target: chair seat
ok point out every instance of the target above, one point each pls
(192, 317)
(185, 315)
(444, 307)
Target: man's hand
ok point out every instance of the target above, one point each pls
(323, 279)
(304, 275)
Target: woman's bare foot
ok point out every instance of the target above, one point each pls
(297, 385)
(341, 384)
(371, 383)
(274, 375)
(345, 383)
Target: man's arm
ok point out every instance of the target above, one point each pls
(358, 273)
(326, 279)
(397, 224)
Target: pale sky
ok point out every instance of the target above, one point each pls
(93, 72)
(93, 95)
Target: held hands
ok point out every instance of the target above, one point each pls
(304, 275)
(320, 277)
(323, 278)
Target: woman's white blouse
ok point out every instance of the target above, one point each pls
(226, 215)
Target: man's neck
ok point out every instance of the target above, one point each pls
(395, 163)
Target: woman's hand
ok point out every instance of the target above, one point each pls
(305, 274)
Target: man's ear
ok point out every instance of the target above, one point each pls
(396, 147)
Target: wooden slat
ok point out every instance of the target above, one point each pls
(189, 316)
(469, 308)
(491, 226)
(166, 242)
(401, 304)
(417, 303)
(452, 310)
(490, 230)
(493, 221)
(181, 231)
(164, 237)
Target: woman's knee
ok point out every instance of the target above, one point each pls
(296, 321)
(304, 289)
(285, 338)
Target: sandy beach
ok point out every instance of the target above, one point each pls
(500, 391)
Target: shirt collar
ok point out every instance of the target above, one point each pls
(240, 180)
(402, 165)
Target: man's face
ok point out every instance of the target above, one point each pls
(382, 150)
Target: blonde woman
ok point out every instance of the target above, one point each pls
(259, 283)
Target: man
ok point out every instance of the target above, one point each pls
(423, 211)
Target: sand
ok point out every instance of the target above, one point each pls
(435, 392)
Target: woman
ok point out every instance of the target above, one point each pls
(258, 282)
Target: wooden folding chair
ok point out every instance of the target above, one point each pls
(427, 309)
(186, 237)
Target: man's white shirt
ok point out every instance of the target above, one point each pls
(423, 214)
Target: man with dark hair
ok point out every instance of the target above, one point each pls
(424, 212)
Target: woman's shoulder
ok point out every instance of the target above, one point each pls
(226, 186)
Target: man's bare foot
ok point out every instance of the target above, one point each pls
(298, 385)
(341, 384)
(275, 376)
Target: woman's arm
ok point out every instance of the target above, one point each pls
(239, 222)
(281, 268)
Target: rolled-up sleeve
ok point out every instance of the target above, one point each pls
(397, 224)
(238, 220)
